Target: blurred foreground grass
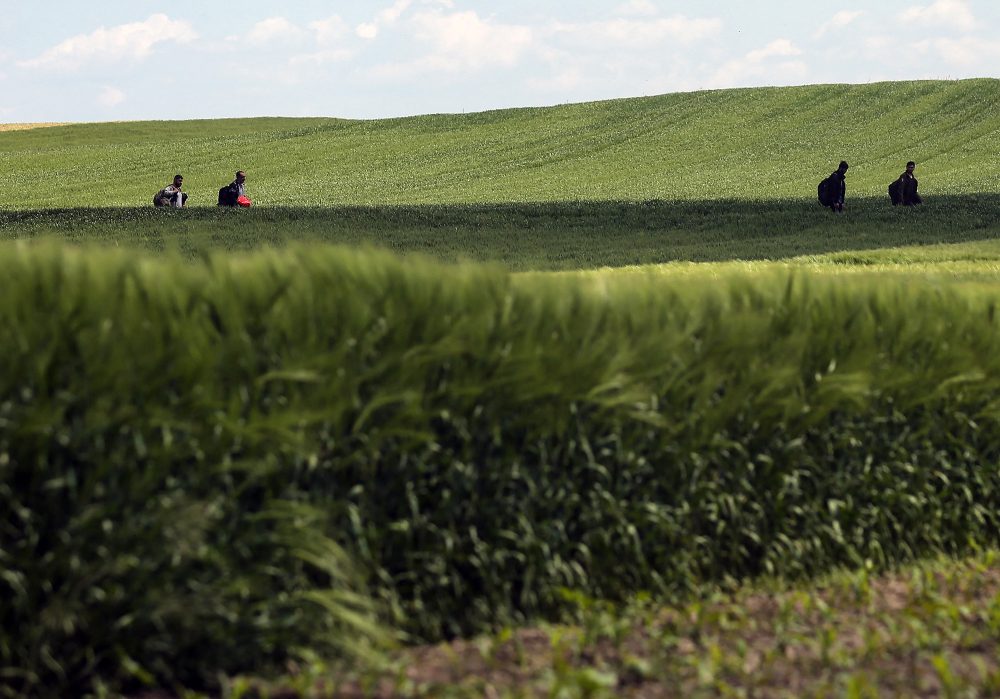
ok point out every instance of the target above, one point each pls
(223, 464)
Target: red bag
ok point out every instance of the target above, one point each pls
(243, 201)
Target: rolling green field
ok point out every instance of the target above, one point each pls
(613, 368)
(755, 144)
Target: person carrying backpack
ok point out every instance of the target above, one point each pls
(904, 190)
(234, 194)
(833, 189)
(171, 195)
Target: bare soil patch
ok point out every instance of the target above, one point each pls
(28, 127)
(924, 633)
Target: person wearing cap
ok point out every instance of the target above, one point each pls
(904, 190)
(171, 195)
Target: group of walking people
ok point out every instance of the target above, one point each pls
(832, 190)
(902, 192)
(233, 194)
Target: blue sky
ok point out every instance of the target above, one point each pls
(132, 59)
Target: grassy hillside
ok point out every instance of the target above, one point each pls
(772, 143)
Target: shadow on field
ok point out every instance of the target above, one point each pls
(550, 235)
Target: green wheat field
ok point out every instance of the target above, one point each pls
(591, 400)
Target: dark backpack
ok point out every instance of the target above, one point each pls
(828, 190)
(823, 192)
(896, 192)
(228, 195)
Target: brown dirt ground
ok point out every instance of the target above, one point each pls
(914, 635)
(26, 127)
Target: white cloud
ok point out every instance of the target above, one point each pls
(460, 42)
(368, 30)
(133, 41)
(638, 8)
(954, 13)
(965, 53)
(774, 64)
(778, 47)
(273, 29)
(929, 59)
(280, 33)
(465, 41)
(626, 32)
(390, 15)
(393, 13)
(839, 21)
(329, 30)
(879, 45)
(110, 97)
(320, 58)
(574, 75)
(319, 43)
(568, 78)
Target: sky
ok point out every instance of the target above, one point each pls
(117, 60)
